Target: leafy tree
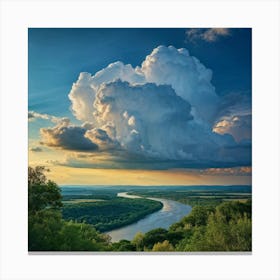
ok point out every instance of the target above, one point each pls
(195, 242)
(44, 227)
(187, 234)
(228, 235)
(81, 237)
(47, 231)
(226, 229)
(154, 236)
(217, 237)
(232, 208)
(199, 215)
(138, 242)
(42, 193)
(124, 246)
(175, 236)
(164, 246)
(42, 196)
(36, 175)
(241, 234)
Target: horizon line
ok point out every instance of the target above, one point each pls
(86, 185)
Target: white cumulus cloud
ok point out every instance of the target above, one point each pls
(163, 110)
(190, 79)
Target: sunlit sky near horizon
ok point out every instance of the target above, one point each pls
(141, 106)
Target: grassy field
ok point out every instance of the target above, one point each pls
(207, 196)
(73, 201)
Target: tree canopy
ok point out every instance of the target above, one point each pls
(225, 227)
(47, 231)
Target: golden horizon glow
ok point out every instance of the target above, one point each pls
(85, 176)
(66, 175)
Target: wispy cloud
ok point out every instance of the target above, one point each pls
(36, 149)
(236, 171)
(32, 116)
(206, 34)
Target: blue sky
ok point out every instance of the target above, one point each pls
(57, 56)
(174, 99)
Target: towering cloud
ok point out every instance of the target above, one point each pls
(190, 79)
(145, 118)
(163, 110)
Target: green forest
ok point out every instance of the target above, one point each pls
(53, 225)
(110, 214)
(198, 197)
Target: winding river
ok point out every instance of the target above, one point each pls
(170, 213)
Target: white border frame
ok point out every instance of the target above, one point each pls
(17, 16)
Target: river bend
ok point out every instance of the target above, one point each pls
(170, 213)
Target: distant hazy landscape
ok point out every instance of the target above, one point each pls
(121, 211)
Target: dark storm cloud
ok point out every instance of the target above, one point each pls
(235, 115)
(68, 137)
